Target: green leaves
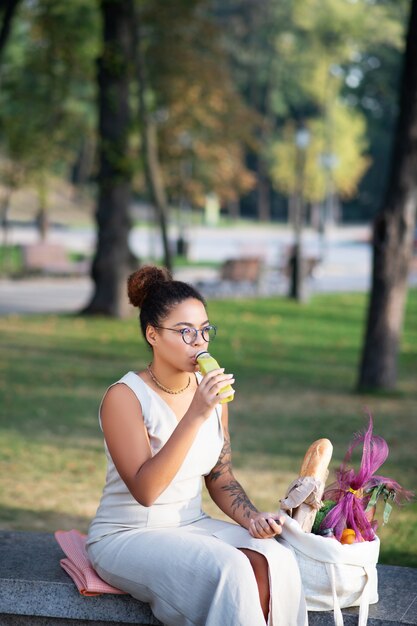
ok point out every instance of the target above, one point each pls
(47, 96)
(388, 496)
(336, 155)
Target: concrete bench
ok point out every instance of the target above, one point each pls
(35, 591)
(50, 259)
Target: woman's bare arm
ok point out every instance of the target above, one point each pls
(147, 476)
(230, 496)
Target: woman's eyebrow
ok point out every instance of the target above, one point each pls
(191, 325)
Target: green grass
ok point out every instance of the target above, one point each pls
(295, 369)
(11, 261)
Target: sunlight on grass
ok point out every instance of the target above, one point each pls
(295, 369)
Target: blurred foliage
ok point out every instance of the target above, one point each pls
(48, 90)
(204, 126)
(303, 63)
(346, 161)
(228, 83)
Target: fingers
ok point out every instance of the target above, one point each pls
(214, 375)
(265, 525)
(226, 394)
(214, 381)
(210, 392)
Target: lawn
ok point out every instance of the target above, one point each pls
(295, 369)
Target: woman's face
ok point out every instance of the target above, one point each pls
(169, 344)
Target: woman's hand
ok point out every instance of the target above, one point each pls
(207, 394)
(265, 525)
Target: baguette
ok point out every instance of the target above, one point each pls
(317, 459)
(315, 465)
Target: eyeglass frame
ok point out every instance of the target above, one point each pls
(196, 331)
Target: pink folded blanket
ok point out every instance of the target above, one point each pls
(78, 566)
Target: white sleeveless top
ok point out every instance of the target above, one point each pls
(180, 503)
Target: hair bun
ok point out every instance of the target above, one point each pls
(141, 282)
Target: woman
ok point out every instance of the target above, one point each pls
(164, 429)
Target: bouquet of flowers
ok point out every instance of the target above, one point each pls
(335, 576)
(350, 502)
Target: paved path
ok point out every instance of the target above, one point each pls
(53, 295)
(43, 295)
(345, 266)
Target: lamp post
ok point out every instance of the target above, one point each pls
(328, 162)
(186, 142)
(302, 140)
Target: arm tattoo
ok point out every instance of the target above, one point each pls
(240, 499)
(232, 488)
(224, 464)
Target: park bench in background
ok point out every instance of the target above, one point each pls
(35, 591)
(236, 277)
(310, 263)
(245, 269)
(50, 259)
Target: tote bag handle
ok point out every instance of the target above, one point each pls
(364, 603)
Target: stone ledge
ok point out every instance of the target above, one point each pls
(35, 591)
(32, 583)
(397, 590)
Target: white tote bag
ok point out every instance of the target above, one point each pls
(334, 576)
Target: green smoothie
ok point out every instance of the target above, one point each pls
(207, 363)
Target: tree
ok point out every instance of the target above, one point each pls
(371, 86)
(46, 95)
(293, 60)
(112, 259)
(251, 30)
(393, 236)
(195, 113)
(149, 140)
(338, 145)
(8, 10)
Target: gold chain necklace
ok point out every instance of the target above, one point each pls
(166, 389)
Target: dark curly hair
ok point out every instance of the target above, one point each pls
(154, 291)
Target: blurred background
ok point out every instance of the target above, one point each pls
(264, 150)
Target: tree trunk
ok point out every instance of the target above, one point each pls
(9, 10)
(42, 218)
(153, 172)
(149, 143)
(393, 237)
(4, 222)
(233, 208)
(296, 261)
(264, 192)
(82, 168)
(112, 260)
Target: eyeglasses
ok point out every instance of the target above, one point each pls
(189, 335)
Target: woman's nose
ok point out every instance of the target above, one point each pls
(199, 338)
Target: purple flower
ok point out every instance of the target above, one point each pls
(353, 491)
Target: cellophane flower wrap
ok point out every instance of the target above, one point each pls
(352, 490)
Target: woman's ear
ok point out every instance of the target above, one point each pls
(151, 335)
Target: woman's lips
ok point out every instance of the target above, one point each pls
(195, 364)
